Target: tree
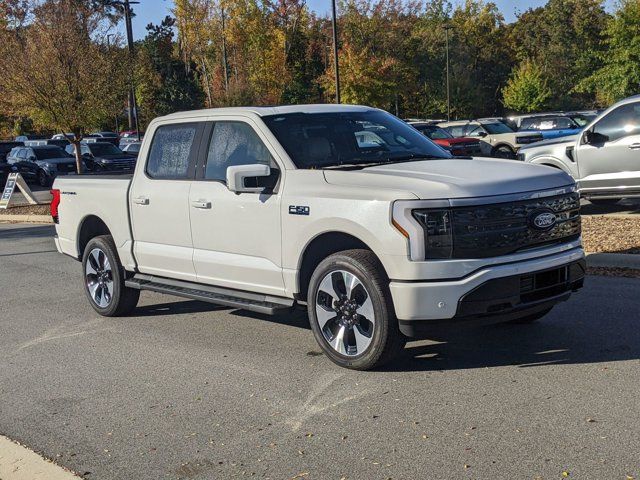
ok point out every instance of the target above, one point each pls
(57, 69)
(566, 36)
(164, 83)
(527, 89)
(619, 76)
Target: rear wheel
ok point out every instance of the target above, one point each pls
(43, 179)
(104, 279)
(351, 312)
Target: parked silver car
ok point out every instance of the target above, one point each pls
(604, 159)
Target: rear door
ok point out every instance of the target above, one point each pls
(614, 162)
(236, 237)
(159, 201)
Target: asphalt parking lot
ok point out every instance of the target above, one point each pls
(187, 390)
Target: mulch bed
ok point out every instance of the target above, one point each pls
(613, 272)
(611, 235)
(26, 210)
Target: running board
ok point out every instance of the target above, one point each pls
(255, 302)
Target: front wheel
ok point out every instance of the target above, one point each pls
(351, 311)
(503, 151)
(104, 279)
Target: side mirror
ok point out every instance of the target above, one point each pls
(482, 134)
(31, 158)
(593, 138)
(238, 175)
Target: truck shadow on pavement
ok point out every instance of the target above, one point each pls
(22, 232)
(559, 338)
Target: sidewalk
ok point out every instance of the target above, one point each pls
(20, 463)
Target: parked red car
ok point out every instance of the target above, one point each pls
(459, 147)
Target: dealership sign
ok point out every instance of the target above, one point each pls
(15, 180)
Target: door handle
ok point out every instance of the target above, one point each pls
(635, 146)
(201, 204)
(141, 200)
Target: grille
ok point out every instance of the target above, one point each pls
(122, 164)
(528, 139)
(503, 228)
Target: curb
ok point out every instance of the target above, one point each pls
(26, 218)
(614, 260)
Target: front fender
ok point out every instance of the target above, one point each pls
(554, 162)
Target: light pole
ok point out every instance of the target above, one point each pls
(133, 107)
(448, 27)
(335, 48)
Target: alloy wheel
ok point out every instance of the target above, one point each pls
(99, 278)
(345, 313)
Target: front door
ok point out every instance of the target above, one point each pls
(236, 237)
(159, 202)
(613, 163)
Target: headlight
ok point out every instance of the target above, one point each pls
(438, 235)
(49, 166)
(427, 226)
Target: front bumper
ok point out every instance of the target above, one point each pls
(489, 292)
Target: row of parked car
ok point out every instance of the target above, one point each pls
(502, 136)
(42, 159)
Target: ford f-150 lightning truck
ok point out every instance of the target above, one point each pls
(345, 209)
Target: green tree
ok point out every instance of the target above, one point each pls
(619, 75)
(527, 89)
(566, 36)
(57, 69)
(164, 83)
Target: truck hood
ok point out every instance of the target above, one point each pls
(569, 140)
(453, 178)
(59, 161)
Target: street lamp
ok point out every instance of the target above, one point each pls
(447, 27)
(335, 48)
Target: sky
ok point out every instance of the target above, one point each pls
(155, 10)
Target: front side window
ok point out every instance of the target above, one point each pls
(232, 144)
(622, 122)
(170, 151)
(349, 138)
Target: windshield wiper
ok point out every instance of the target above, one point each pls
(386, 161)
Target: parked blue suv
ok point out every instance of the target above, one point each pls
(549, 126)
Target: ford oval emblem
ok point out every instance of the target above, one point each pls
(543, 219)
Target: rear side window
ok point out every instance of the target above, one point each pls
(232, 144)
(171, 150)
(457, 130)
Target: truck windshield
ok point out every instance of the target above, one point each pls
(496, 128)
(357, 138)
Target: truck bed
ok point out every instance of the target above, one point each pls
(83, 197)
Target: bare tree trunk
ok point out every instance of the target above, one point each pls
(78, 152)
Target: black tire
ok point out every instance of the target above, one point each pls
(120, 300)
(604, 202)
(43, 179)
(530, 318)
(503, 151)
(385, 340)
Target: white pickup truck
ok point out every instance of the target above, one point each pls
(344, 209)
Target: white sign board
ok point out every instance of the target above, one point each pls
(15, 180)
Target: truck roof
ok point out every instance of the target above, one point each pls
(270, 110)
